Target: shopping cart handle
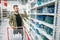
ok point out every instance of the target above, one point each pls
(19, 27)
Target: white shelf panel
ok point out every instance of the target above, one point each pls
(32, 37)
(44, 4)
(32, 14)
(52, 14)
(42, 22)
(32, 1)
(41, 31)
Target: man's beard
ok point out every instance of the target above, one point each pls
(16, 11)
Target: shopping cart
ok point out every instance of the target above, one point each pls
(11, 33)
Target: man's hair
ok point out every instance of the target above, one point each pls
(15, 6)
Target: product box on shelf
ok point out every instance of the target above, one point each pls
(48, 30)
(40, 10)
(39, 2)
(44, 38)
(41, 17)
(49, 19)
(33, 4)
(36, 38)
(37, 31)
(32, 16)
(32, 21)
(45, 10)
(44, 1)
(33, 28)
(51, 8)
(39, 25)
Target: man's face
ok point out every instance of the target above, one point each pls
(16, 9)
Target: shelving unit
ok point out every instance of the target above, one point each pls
(5, 13)
(43, 18)
(41, 31)
(45, 4)
(32, 33)
(45, 14)
(41, 22)
(58, 21)
(0, 16)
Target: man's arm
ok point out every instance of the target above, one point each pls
(10, 21)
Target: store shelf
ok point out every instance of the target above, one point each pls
(44, 33)
(0, 16)
(41, 31)
(52, 14)
(32, 36)
(44, 16)
(32, 1)
(32, 14)
(42, 22)
(35, 33)
(28, 28)
(44, 4)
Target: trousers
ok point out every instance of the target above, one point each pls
(18, 30)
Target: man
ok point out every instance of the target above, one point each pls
(16, 21)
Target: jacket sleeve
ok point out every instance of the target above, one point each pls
(11, 20)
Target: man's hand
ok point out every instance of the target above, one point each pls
(13, 27)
